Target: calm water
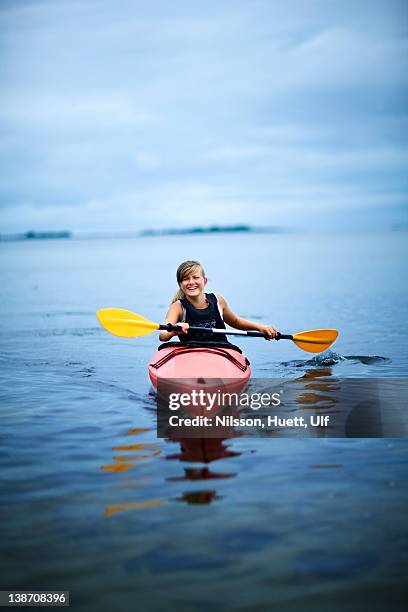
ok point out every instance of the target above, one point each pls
(93, 502)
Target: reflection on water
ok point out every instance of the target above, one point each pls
(320, 395)
(194, 450)
(135, 453)
(202, 473)
(317, 392)
(127, 506)
(199, 497)
(357, 408)
(203, 450)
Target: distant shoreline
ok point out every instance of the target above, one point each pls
(31, 235)
(198, 230)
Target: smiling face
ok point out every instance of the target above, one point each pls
(193, 282)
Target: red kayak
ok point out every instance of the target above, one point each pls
(182, 367)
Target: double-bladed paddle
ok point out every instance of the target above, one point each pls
(128, 324)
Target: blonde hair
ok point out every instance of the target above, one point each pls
(186, 268)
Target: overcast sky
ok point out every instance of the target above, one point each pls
(135, 114)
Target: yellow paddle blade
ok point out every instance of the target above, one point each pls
(125, 323)
(315, 341)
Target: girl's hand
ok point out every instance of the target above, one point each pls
(184, 327)
(269, 331)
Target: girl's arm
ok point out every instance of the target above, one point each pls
(233, 320)
(173, 316)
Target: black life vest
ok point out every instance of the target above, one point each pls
(209, 317)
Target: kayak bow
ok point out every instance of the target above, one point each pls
(184, 367)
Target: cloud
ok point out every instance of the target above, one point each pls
(193, 113)
(54, 112)
(147, 161)
(349, 58)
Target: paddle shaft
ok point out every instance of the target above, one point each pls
(226, 332)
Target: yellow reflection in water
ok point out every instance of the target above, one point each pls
(135, 431)
(126, 506)
(117, 467)
(127, 461)
(133, 447)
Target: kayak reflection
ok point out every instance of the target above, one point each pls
(201, 450)
(198, 497)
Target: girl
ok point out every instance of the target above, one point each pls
(191, 306)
